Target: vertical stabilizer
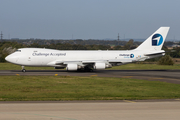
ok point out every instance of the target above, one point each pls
(155, 41)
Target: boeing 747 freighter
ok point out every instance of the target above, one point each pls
(89, 59)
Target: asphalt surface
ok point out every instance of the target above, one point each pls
(126, 110)
(170, 76)
(95, 110)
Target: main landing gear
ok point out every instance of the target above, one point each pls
(23, 69)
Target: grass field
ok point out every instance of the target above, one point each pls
(10, 66)
(27, 88)
(53, 88)
(132, 66)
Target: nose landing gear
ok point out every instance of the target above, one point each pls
(23, 69)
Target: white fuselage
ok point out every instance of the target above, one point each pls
(44, 57)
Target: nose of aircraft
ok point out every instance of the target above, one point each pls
(11, 58)
(7, 58)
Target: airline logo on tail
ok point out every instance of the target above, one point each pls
(157, 40)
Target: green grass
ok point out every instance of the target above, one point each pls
(132, 66)
(10, 66)
(53, 88)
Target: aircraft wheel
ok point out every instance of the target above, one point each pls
(88, 70)
(23, 70)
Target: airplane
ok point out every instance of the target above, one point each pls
(74, 60)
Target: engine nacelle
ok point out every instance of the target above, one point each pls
(98, 66)
(71, 67)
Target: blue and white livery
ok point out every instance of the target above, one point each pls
(90, 59)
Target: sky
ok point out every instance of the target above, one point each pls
(88, 19)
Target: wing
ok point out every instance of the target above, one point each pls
(91, 64)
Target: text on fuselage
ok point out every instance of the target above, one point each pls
(49, 54)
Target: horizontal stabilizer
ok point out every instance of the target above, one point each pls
(155, 53)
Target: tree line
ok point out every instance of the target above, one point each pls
(8, 47)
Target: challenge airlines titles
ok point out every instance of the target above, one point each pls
(49, 54)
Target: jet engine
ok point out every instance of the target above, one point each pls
(71, 67)
(98, 66)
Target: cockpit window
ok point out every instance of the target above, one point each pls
(18, 50)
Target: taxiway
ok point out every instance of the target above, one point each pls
(124, 110)
(170, 76)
